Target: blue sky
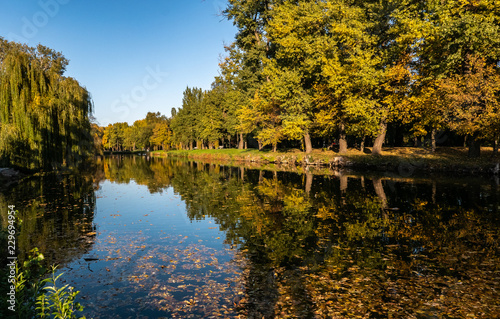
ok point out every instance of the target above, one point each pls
(133, 56)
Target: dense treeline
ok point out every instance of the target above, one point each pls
(300, 70)
(152, 132)
(44, 116)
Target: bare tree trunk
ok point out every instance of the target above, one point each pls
(190, 145)
(275, 147)
(433, 140)
(379, 141)
(260, 145)
(240, 144)
(307, 142)
(362, 146)
(342, 140)
(246, 145)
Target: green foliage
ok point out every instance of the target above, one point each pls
(152, 131)
(40, 298)
(161, 135)
(473, 105)
(57, 303)
(184, 124)
(29, 284)
(303, 70)
(44, 116)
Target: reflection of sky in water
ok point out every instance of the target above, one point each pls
(307, 245)
(150, 255)
(133, 208)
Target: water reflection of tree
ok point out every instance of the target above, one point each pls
(155, 173)
(343, 245)
(329, 248)
(57, 212)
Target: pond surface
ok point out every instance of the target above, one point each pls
(168, 238)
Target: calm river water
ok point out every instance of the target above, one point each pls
(170, 238)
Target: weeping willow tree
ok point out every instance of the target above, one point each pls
(44, 116)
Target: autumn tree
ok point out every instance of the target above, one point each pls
(474, 105)
(298, 37)
(251, 47)
(348, 99)
(161, 135)
(460, 40)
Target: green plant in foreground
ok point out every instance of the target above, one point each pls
(41, 298)
(28, 283)
(57, 303)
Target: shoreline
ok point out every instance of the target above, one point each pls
(404, 161)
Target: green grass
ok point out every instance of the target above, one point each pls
(393, 158)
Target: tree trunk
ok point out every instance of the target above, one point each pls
(309, 181)
(190, 145)
(307, 142)
(379, 141)
(343, 183)
(433, 140)
(260, 145)
(362, 146)
(474, 146)
(434, 191)
(495, 145)
(342, 140)
(379, 190)
(275, 147)
(246, 145)
(241, 144)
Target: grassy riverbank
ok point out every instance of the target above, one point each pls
(404, 160)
